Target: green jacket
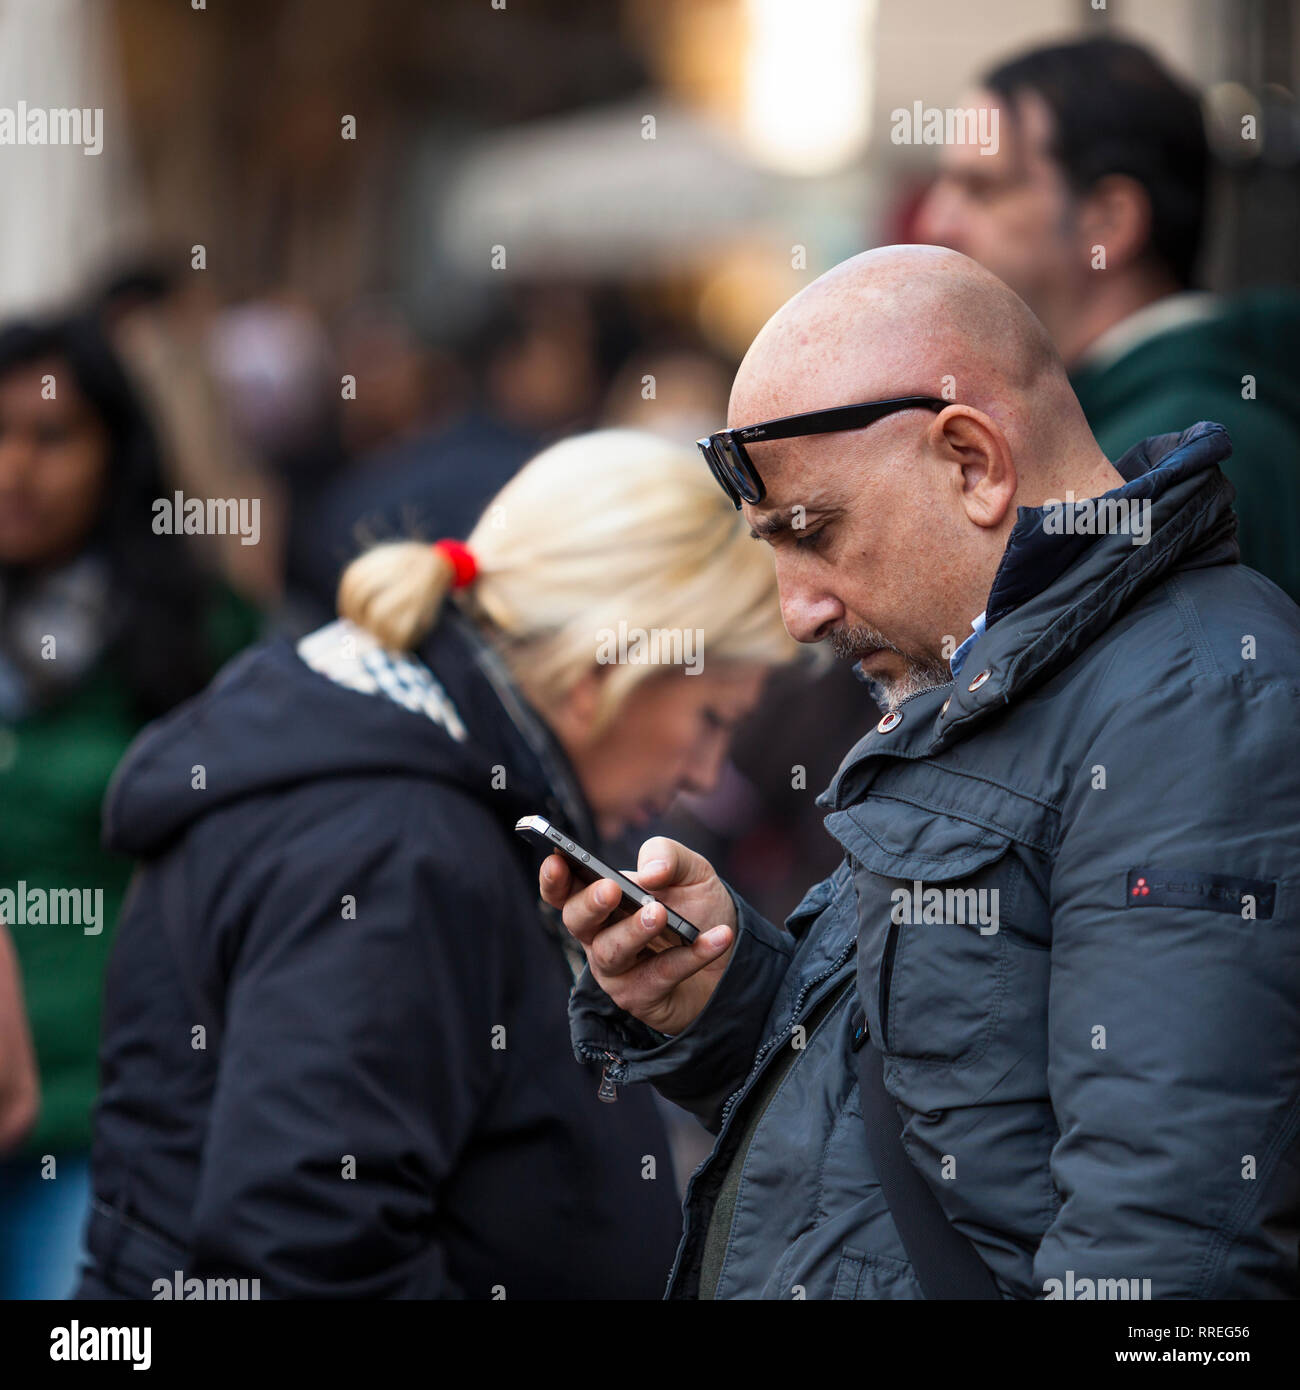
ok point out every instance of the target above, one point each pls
(54, 768)
(1198, 372)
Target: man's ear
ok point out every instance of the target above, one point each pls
(985, 472)
(1116, 214)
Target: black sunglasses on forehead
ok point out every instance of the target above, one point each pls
(724, 450)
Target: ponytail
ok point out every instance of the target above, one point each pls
(396, 591)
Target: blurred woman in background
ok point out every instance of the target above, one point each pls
(336, 1055)
(103, 625)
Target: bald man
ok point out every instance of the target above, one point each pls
(1062, 951)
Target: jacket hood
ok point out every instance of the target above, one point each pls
(1172, 487)
(270, 721)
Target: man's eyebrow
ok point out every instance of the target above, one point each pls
(769, 525)
(777, 523)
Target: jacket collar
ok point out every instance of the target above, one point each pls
(1171, 472)
(1054, 594)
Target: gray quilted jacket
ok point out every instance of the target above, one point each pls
(1070, 907)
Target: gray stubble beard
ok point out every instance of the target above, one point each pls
(920, 673)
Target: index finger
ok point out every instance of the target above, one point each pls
(585, 908)
(554, 880)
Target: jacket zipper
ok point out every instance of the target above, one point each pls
(689, 1212)
(613, 1072)
(917, 695)
(608, 1088)
(776, 1037)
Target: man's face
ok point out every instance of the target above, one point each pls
(872, 562)
(1011, 211)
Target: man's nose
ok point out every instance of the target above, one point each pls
(809, 614)
(938, 219)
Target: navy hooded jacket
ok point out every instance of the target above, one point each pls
(335, 1055)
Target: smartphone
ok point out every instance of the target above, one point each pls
(587, 868)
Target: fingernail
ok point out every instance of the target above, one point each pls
(607, 894)
(716, 936)
(647, 916)
(655, 866)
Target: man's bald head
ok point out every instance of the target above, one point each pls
(888, 537)
(901, 321)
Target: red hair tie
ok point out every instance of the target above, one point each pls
(464, 565)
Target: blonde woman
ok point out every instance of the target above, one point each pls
(336, 1056)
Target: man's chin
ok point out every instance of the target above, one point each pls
(883, 672)
(890, 690)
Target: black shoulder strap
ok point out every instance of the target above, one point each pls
(944, 1261)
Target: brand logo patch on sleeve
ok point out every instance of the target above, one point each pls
(1242, 897)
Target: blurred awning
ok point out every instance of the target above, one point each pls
(590, 194)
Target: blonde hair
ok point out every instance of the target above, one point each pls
(613, 531)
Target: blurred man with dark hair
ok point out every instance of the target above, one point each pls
(1092, 210)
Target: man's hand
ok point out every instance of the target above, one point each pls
(643, 969)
